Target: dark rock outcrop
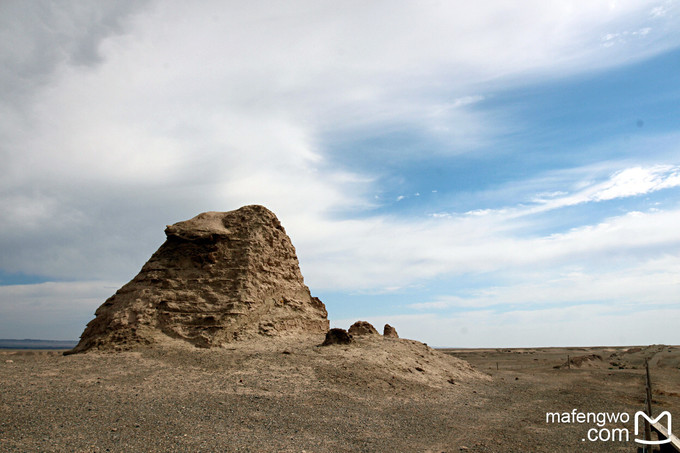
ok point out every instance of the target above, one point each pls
(337, 336)
(219, 277)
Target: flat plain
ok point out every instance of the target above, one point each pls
(292, 395)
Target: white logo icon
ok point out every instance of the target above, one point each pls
(640, 414)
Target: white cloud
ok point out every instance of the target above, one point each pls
(652, 282)
(658, 11)
(380, 252)
(578, 325)
(628, 182)
(638, 181)
(116, 119)
(585, 185)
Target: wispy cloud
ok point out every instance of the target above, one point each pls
(575, 190)
(628, 182)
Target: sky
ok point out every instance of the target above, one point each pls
(476, 174)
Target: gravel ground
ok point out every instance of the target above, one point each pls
(292, 396)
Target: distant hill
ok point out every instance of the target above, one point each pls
(37, 344)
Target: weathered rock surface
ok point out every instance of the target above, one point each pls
(337, 336)
(219, 277)
(362, 328)
(390, 332)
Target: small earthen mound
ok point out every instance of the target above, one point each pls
(588, 361)
(390, 332)
(362, 328)
(582, 360)
(337, 336)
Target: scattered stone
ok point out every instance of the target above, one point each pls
(390, 332)
(9, 361)
(219, 277)
(337, 336)
(362, 328)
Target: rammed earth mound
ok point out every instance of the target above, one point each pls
(218, 278)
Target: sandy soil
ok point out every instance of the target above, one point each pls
(291, 395)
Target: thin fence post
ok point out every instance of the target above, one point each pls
(648, 408)
(568, 362)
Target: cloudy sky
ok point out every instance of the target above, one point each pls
(476, 174)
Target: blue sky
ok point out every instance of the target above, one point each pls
(476, 175)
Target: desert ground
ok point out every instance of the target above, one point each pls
(291, 395)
